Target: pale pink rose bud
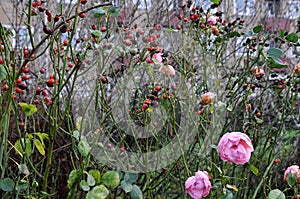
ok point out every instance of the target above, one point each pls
(212, 20)
(149, 60)
(198, 186)
(208, 98)
(157, 56)
(235, 147)
(167, 69)
(294, 169)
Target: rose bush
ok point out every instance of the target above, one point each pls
(198, 186)
(235, 147)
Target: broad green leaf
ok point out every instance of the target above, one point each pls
(276, 60)
(20, 144)
(90, 180)
(291, 179)
(22, 186)
(42, 137)
(281, 33)
(74, 178)
(23, 169)
(29, 109)
(114, 11)
(111, 178)
(98, 12)
(215, 1)
(136, 193)
(233, 34)
(227, 194)
(258, 120)
(276, 194)
(84, 185)
(127, 187)
(96, 175)
(96, 33)
(3, 73)
(254, 169)
(276, 52)
(98, 192)
(258, 29)
(130, 177)
(292, 37)
(7, 184)
(39, 146)
(278, 66)
(84, 148)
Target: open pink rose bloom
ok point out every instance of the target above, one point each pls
(198, 186)
(212, 20)
(294, 169)
(167, 69)
(235, 148)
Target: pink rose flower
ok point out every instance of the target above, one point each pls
(198, 186)
(235, 147)
(167, 69)
(212, 20)
(157, 56)
(149, 60)
(208, 98)
(294, 169)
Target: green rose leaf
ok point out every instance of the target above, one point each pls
(74, 178)
(96, 33)
(215, 1)
(258, 29)
(98, 192)
(84, 148)
(3, 73)
(39, 146)
(96, 175)
(84, 185)
(7, 184)
(114, 11)
(29, 109)
(127, 187)
(278, 66)
(130, 177)
(98, 12)
(21, 187)
(90, 180)
(23, 169)
(227, 194)
(281, 33)
(291, 179)
(136, 193)
(111, 178)
(276, 52)
(276, 194)
(233, 34)
(254, 169)
(20, 144)
(42, 136)
(292, 37)
(258, 121)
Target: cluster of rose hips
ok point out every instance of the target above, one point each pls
(152, 99)
(133, 34)
(39, 6)
(44, 91)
